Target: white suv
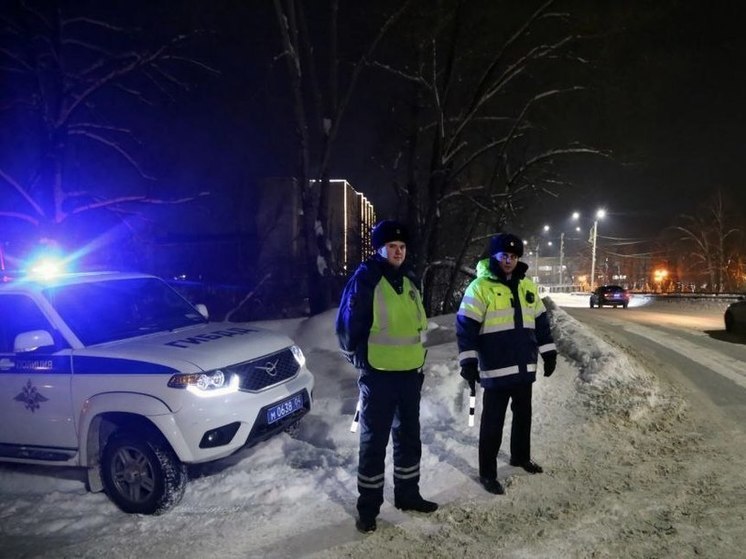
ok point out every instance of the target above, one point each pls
(119, 374)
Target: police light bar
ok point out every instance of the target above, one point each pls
(45, 268)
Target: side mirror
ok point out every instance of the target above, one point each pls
(32, 340)
(202, 310)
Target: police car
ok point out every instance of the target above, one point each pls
(117, 373)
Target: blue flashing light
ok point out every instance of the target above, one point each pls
(46, 263)
(46, 268)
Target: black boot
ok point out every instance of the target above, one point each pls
(529, 465)
(492, 486)
(366, 525)
(416, 503)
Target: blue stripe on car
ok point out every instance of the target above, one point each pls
(84, 365)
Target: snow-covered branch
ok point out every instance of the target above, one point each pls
(17, 215)
(115, 146)
(401, 73)
(548, 155)
(143, 199)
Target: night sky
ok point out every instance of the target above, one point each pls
(666, 96)
(671, 89)
(667, 88)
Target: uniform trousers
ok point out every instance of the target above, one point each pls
(390, 404)
(494, 407)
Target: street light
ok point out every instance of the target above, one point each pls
(538, 244)
(562, 256)
(594, 233)
(660, 275)
(575, 217)
(534, 244)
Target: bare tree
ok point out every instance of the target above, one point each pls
(709, 241)
(319, 108)
(474, 154)
(68, 81)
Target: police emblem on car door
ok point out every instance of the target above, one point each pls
(35, 382)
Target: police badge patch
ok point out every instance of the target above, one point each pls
(30, 397)
(530, 297)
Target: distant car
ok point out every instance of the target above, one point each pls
(612, 295)
(735, 316)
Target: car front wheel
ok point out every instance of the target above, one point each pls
(142, 474)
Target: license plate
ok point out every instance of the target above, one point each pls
(278, 411)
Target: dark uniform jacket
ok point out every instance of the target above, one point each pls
(503, 326)
(355, 315)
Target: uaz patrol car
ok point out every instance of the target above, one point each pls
(119, 374)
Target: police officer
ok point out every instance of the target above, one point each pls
(380, 326)
(501, 327)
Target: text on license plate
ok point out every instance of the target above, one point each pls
(277, 412)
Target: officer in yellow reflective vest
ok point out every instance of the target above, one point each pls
(380, 326)
(501, 328)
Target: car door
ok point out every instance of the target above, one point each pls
(36, 419)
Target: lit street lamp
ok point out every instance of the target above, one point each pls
(575, 217)
(562, 255)
(660, 275)
(535, 245)
(594, 233)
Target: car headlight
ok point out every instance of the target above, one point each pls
(298, 354)
(210, 383)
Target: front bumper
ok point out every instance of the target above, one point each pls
(186, 429)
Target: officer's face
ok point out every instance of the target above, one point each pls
(507, 261)
(395, 253)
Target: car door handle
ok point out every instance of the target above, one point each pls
(6, 364)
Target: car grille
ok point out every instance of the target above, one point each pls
(261, 373)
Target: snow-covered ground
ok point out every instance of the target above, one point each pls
(630, 471)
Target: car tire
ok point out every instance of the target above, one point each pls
(624, 306)
(142, 475)
(591, 304)
(729, 322)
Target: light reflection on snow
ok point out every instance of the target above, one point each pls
(582, 299)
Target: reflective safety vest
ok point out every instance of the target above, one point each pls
(399, 323)
(491, 304)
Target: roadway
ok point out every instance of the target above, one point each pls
(682, 342)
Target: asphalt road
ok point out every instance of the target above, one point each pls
(684, 344)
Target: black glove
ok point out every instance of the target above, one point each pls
(470, 374)
(550, 363)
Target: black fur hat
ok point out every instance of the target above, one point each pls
(506, 242)
(386, 231)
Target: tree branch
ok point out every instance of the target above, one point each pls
(143, 199)
(21, 216)
(22, 191)
(115, 146)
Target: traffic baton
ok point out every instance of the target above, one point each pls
(355, 418)
(472, 403)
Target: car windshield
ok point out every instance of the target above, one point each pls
(106, 311)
